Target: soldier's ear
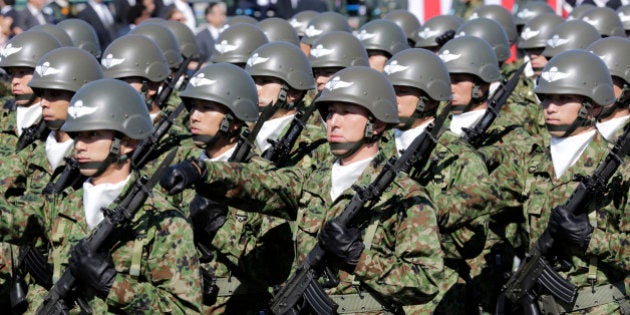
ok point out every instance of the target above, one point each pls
(127, 145)
(379, 127)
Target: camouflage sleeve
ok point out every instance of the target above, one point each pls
(173, 283)
(613, 247)
(20, 216)
(14, 170)
(251, 187)
(405, 261)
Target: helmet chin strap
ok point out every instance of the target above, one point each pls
(352, 147)
(420, 112)
(114, 156)
(620, 102)
(477, 97)
(582, 120)
(205, 141)
(282, 103)
(54, 124)
(26, 97)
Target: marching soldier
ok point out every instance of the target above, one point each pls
(321, 24)
(382, 39)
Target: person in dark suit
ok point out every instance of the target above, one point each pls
(215, 15)
(287, 8)
(34, 14)
(100, 17)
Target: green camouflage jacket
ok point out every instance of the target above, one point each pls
(164, 275)
(404, 263)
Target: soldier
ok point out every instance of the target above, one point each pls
(579, 11)
(500, 14)
(19, 58)
(300, 20)
(530, 10)
(573, 87)
(279, 30)
(83, 35)
(165, 39)
(56, 32)
(152, 265)
(605, 21)
(321, 24)
(574, 34)
(407, 21)
(614, 117)
(624, 15)
(359, 104)
(382, 39)
(428, 34)
(454, 175)
(236, 43)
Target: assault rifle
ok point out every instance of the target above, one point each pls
(280, 149)
(147, 147)
(303, 284)
(536, 269)
(70, 176)
(57, 298)
(167, 89)
(32, 133)
(477, 134)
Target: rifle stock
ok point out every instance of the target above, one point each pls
(168, 88)
(56, 299)
(301, 283)
(519, 288)
(475, 135)
(280, 149)
(30, 134)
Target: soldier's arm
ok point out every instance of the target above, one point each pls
(173, 284)
(20, 215)
(253, 188)
(405, 262)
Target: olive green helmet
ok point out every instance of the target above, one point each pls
(135, 56)
(236, 19)
(25, 49)
(421, 69)
(434, 27)
(185, 38)
(382, 35)
(407, 21)
(490, 31)
(578, 12)
(283, 61)
(338, 49)
(65, 68)
(614, 52)
(165, 40)
(499, 14)
(364, 87)
(574, 34)
(323, 23)
(279, 30)
(83, 35)
(577, 72)
(109, 104)
(225, 84)
(56, 31)
(237, 42)
(300, 20)
(623, 12)
(530, 10)
(458, 59)
(536, 32)
(605, 21)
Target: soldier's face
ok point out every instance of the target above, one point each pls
(559, 109)
(206, 117)
(461, 87)
(322, 75)
(93, 146)
(407, 99)
(306, 48)
(345, 123)
(268, 89)
(54, 104)
(537, 60)
(377, 60)
(20, 77)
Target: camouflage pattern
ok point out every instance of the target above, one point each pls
(405, 261)
(8, 132)
(465, 8)
(169, 279)
(531, 183)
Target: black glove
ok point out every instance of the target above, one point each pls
(442, 39)
(180, 176)
(569, 227)
(207, 217)
(342, 242)
(93, 269)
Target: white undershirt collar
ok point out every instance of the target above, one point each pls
(465, 120)
(566, 151)
(271, 129)
(404, 138)
(343, 176)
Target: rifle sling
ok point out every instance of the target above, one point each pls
(588, 297)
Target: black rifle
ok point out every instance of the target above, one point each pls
(187, 77)
(37, 131)
(69, 176)
(247, 139)
(303, 284)
(477, 134)
(536, 269)
(147, 147)
(169, 86)
(59, 295)
(279, 151)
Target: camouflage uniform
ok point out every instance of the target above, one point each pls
(167, 277)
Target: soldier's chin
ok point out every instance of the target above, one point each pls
(86, 170)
